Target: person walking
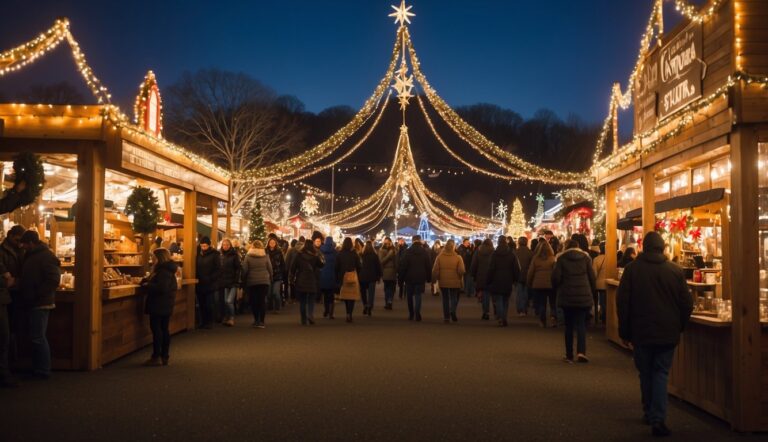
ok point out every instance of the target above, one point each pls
(370, 274)
(40, 277)
(402, 247)
(481, 262)
(416, 270)
(290, 256)
(437, 247)
(654, 306)
(503, 274)
(388, 259)
(574, 280)
(539, 280)
(524, 256)
(348, 266)
(277, 260)
(229, 280)
(161, 287)
(328, 285)
(10, 270)
(598, 265)
(257, 276)
(207, 272)
(306, 270)
(448, 271)
(465, 251)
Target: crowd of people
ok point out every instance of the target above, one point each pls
(561, 282)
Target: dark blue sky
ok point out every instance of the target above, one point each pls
(523, 55)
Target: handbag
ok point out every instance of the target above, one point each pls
(350, 287)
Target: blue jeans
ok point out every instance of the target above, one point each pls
(306, 306)
(653, 362)
(450, 301)
(389, 292)
(414, 293)
(274, 294)
(469, 285)
(230, 293)
(371, 294)
(575, 317)
(521, 301)
(502, 306)
(41, 351)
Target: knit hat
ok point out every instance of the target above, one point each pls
(30, 237)
(16, 230)
(205, 240)
(653, 243)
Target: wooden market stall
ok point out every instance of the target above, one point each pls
(697, 172)
(93, 158)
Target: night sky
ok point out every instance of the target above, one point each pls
(523, 55)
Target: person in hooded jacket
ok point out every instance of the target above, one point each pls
(465, 250)
(481, 262)
(539, 281)
(257, 277)
(328, 284)
(277, 260)
(388, 259)
(574, 280)
(207, 272)
(416, 270)
(229, 279)
(369, 275)
(40, 276)
(449, 271)
(654, 306)
(348, 267)
(503, 274)
(306, 270)
(161, 286)
(524, 256)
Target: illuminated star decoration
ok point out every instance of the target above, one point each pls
(402, 14)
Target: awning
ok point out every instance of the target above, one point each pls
(629, 223)
(682, 202)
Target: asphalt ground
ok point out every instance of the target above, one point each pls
(379, 378)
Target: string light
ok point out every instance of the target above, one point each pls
(146, 88)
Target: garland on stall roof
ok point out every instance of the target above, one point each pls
(28, 167)
(143, 206)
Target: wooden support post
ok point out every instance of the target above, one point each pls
(649, 201)
(214, 222)
(190, 252)
(89, 231)
(611, 238)
(229, 210)
(744, 276)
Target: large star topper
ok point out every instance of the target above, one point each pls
(402, 14)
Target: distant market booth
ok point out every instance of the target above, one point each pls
(94, 158)
(697, 172)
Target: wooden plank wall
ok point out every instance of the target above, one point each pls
(752, 31)
(702, 370)
(125, 327)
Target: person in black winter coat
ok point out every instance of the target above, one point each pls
(415, 269)
(40, 277)
(465, 250)
(503, 274)
(306, 270)
(229, 280)
(161, 289)
(277, 259)
(371, 274)
(402, 247)
(574, 280)
(207, 272)
(481, 262)
(654, 306)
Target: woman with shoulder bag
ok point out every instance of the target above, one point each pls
(161, 289)
(347, 275)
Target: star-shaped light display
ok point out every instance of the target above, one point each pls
(402, 14)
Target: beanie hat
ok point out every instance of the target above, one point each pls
(653, 243)
(205, 240)
(30, 237)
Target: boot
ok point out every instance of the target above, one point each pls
(349, 318)
(153, 362)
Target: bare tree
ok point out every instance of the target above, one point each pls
(234, 120)
(57, 93)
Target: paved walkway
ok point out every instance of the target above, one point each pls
(381, 378)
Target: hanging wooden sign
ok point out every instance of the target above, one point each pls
(681, 70)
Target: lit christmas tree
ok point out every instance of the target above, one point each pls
(539, 208)
(256, 225)
(517, 226)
